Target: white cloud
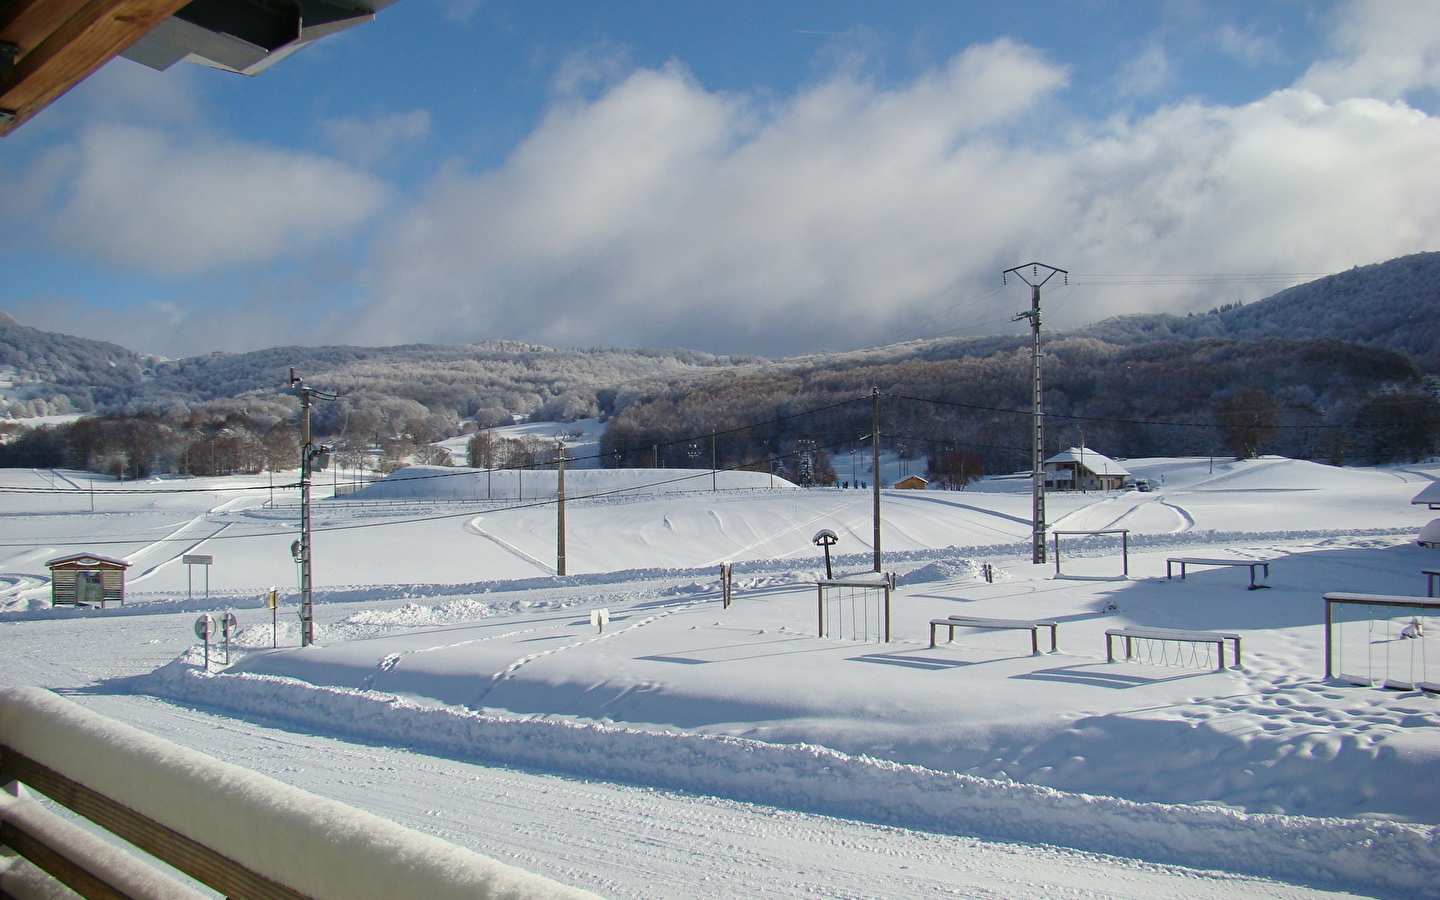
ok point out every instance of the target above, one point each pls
(1385, 49)
(142, 199)
(662, 214)
(370, 142)
(1147, 73)
(1246, 46)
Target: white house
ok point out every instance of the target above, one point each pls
(1083, 469)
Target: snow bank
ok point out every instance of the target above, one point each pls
(459, 483)
(1349, 854)
(321, 848)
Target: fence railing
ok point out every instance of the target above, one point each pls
(240, 833)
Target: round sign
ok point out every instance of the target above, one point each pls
(228, 624)
(204, 627)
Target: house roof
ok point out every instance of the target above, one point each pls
(87, 559)
(49, 46)
(1096, 463)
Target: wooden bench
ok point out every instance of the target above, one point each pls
(1251, 564)
(1132, 632)
(1430, 575)
(1031, 625)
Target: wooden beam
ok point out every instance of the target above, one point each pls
(87, 39)
(25, 23)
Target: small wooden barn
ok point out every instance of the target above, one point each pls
(913, 483)
(86, 579)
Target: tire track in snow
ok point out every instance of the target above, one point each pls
(1187, 520)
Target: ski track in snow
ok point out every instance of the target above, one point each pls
(473, 526)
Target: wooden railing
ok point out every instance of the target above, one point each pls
(240, 833)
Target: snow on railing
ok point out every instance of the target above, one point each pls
(241, 833)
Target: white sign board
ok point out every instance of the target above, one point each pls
(599, 617)
(197, 559)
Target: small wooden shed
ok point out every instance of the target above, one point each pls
(86, 579)
(913, 483)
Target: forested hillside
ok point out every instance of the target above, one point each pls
(1320, 398)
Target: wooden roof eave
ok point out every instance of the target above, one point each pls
(59, 43)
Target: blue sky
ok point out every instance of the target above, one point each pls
(770, 178)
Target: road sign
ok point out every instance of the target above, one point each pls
(204, 627)
(599, 617)
(197, 559)
(229, 625)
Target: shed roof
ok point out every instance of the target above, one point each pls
(1096, 463)
(1431, 495)
(87, 559)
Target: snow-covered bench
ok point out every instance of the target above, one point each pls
(1251, 564)
(1131, 633)
(1031, 625)
(242, 834)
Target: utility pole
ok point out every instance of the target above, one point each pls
(1037, 447)
(313, 457)
(560, 506)
(713, 486)
(875, 454)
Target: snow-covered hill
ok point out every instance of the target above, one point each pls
(443, 630)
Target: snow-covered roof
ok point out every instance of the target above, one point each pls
(87, 559)
(1429, 496)
(1098, 463)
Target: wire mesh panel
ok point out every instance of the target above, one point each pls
(854, 610)
(1181, 653)
(1382, 641)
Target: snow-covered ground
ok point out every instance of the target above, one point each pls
(446, 644)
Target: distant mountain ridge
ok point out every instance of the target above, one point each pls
(1393, 305)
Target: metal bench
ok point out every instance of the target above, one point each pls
(1133, 632)
(1031, 625)
(1251, 564)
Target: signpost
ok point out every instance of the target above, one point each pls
(272, 600)
(228, 626)
(192, 560)
(827, 539)
(204, 627)
(598, 618)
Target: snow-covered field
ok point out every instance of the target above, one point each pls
(459, 687)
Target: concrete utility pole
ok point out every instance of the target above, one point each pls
(560, 506)
(1037, 447)
(313, 457)
(875, 454)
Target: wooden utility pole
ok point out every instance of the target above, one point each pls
(875, 455)
(1037, 445)
(560, 507)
